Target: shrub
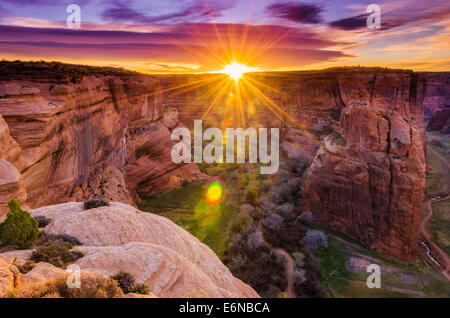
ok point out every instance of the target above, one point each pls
(125, 281)
(95, 203)
(141, 289)
(57, 252)
(299, 259)
(252, 192)
(285, 210)
(64, 237)
(273, 222)
(314, 239)
(19, 228)
(24, 267)
(306, 218)
(92, 286)
(42, 221)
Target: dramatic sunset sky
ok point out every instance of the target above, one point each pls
(171, 36)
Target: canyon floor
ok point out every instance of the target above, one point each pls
(343, 263)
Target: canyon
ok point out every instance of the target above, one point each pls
(71, 138)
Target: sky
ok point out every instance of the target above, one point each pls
(191, 36)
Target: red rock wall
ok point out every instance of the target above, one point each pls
(371, 187)
(362, 129)
(93, 139)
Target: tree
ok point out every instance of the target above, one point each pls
(314, 239)
(19, 228)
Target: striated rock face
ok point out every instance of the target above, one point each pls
(436, 103)
(78, 141)
(153, 249)
(368, 182)
(11, 181)
(11, 185)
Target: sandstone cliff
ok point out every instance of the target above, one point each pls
(436, 104)
(368, 182)
(99, 137)
(153, 249)
(109, 136)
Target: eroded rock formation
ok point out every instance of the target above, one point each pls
(156, 251)
(101, 137)
(368, 181)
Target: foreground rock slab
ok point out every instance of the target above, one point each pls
(156, 251)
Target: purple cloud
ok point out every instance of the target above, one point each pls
(43, 2)
(122, 12)
(352, 23)
(296, 12)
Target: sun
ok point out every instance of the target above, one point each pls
(235, 70)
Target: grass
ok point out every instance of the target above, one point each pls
(438, 174)
(439, 224)
(188, 208)
(398, 278)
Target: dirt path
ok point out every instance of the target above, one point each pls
(288, 266)
(444, 268)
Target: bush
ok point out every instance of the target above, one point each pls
(56, 252)
(314, 239)
(92, 286)
(24, 267)
(125, 281)
(42, 221)
(64, 237)
(273, 221)
(19, 228)
(299, 259)
(306, 218)
(92, 204)
(252, 192)
(141, 289)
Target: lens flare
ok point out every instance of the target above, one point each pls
(214, 193)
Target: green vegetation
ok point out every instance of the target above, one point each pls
(231, 228)
(142, 289)
(24, 267)
(126, 283)
(19, 229)
(62, 72)
(95, 203)
(188, 208)
(398, 278)
(56, 251)
(42, 221)
(439, 224)
(438, 173)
